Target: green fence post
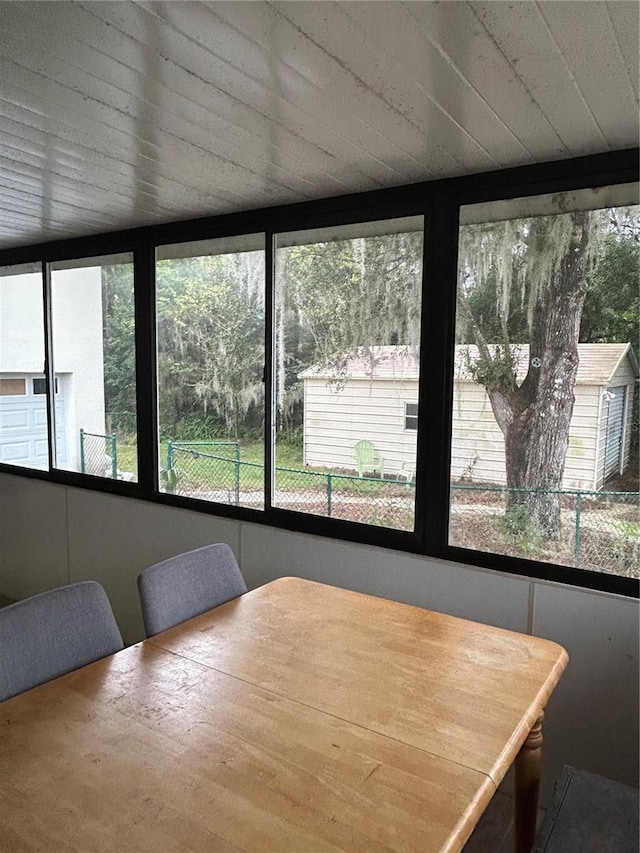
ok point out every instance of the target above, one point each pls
(576, 544)
(82, 460)
(169, 467)
(329, 494)
(114, 459)
(237, 473)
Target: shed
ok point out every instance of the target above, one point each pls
(376, 398)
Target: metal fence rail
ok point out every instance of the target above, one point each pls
(599, 530)
(192, 469)
(368, 500)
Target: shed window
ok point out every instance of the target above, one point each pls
(411, 416)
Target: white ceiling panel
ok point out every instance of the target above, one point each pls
(119, 114)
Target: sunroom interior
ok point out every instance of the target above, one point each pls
(141, 135)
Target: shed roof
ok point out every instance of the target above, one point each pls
(597, 363)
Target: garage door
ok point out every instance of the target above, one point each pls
(23, 422)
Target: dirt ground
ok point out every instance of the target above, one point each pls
(627, 482)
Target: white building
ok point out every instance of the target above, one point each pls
(377, 400)
(77, 361)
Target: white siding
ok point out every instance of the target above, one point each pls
(477, 448)
(335, 420)
(374, 409)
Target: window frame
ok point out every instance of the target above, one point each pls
(411, 417)
(439, 203)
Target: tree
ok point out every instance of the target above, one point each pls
(119, 366)
(611, 307)
(211, 337)
(340, 298)
(541, 263)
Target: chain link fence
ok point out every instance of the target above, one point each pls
(368, 500)
(209, 470)
(598, 530)
(98, 454)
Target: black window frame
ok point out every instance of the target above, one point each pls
(439, 203)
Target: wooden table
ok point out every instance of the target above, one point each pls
(299, 717)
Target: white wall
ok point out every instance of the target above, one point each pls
(334, 420)
(52, 535)
(78, 354)
(77, 343)
(21, 324)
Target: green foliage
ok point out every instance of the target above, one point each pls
(170, 478)
(210, 345)
(196, 427)
(338, 298)
(516, 525)
(611, 310)
(119, 348)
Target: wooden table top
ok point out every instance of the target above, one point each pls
(298, 718)
(461, 690)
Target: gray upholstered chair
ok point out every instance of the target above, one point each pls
(185, 586)
(55, 632)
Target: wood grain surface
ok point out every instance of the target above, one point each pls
(148, 751)
(297, 718)
(458, 689)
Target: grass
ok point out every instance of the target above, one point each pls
(205, 472)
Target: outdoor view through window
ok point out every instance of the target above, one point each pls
(23, 411)
(347, 325)
(210, 331)
(545, 412)
(347, 314)
(93, 355)
(92, 364)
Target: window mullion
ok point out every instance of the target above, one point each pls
(49, 368)
(146, 376)
(269, 384)
(436, 376)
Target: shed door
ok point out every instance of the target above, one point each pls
(613, 440)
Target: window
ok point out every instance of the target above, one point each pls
(298, 367)
(210, 330)
(12, 387)
(348, 304)
(542, 462)
(93, 357)
(24, 439)
(40, 385)
(411, 416)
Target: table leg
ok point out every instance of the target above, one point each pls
(527, 770)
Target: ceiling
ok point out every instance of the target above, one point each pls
(118, 114)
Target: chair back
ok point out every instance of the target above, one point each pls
(365, 452)
(53, 633)
(184, 586)
(367, 459)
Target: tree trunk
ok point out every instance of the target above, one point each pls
(535, 417)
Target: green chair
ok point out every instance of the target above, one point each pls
(367, 459)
